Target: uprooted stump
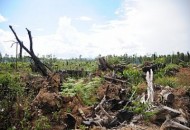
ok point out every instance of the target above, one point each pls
(47, 101)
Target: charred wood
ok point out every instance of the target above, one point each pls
(114, 80)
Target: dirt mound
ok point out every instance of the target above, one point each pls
(183, 77)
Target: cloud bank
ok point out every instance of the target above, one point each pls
(142, 27)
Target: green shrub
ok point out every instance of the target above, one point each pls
(140, 108)
(159, 74)
(42, 123)
(160, 60)
(183, 64)
(113, 60)
(171, 69)
(133, 75)
(167, 81)
(10, 89)
(11, 82)
(5, 79)
(85, 89)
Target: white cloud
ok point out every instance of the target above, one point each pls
(39, 29)
(85, 18)
(6, 41)
(2, 19)
(144, 26)
(158, 25)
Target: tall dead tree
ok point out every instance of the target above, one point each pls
(42, 67)
(20, 54)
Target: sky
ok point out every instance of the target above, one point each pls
(69, 28)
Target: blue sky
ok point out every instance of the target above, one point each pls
(45, 14)
(69, 28)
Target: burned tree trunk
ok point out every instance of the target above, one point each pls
(20, 54)
(103, 65)
(42, 67)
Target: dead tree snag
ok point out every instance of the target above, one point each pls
(20, 54)
(42, 67)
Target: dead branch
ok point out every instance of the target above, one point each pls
(162, 111)
(102, 109)
(114, 79)
(82, 113)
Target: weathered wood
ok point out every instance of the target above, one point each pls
(102, 109)
(169, 123)
(161, 112)
(114, 79)
(172, 111)
(167, 96)
(150, 90)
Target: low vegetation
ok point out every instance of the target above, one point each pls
(19, 85)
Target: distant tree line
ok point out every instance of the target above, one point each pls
(175, 58)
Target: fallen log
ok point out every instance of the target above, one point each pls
(167, 96)
(169, 123)
(161, 112)
(114, 79)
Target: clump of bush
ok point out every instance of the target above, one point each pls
(141, 108)
(167, 81)
(171, 69)
(85, 89)
(42, 123)
(10, 89)
(133, 75)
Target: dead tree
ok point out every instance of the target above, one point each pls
(20, 54)
(150, 90)
(42, 67)
(103, 65)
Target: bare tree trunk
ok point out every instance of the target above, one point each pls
(42, 67)
(150, 90)
(20, 54)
